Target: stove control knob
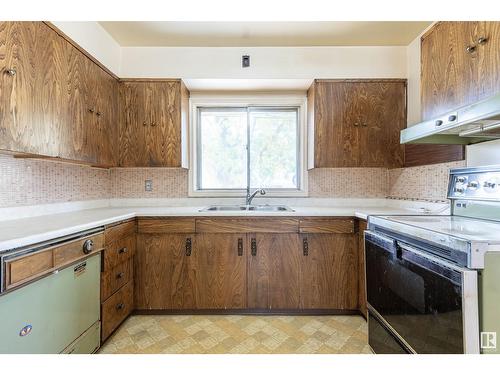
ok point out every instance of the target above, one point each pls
(459, 190)
(88, 246)
(489, 185)
(461, 179)
(473, 185)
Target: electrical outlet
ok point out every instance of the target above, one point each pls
(148, 185)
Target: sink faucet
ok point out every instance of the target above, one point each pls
(250, 197)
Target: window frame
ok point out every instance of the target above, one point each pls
(259, 101)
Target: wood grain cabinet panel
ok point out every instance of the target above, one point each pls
(32, 88)
(329, 271)
(152, 123)
(273, 271)
(162, 225)
(116, 309)
(114, 278)
(164, 272)
(221, 274)
(356, 123)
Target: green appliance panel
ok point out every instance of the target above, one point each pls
(49, 314)
(489, 292)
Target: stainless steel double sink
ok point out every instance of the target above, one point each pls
(239, 208)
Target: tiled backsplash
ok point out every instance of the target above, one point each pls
(26, 182)
(31, 182)
(428, 182)
(167, 182)
(348, 183)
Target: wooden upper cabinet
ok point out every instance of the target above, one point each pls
(32, 88)
(460, 65)
(49, 95)
(153, 123)
(356, 123)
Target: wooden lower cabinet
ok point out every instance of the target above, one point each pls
(164, 272)
(273, 271)
(221, 267)
(329, 271)
(117, 276)
(361, 268)
(221, 272)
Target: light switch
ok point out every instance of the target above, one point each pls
(148, 185)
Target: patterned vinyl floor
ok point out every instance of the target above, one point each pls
(225, 334)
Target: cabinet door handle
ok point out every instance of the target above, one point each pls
(11, 72)
(470, 49)
(305, 247)
(253, 246)
(98, 113)
(120, 306)
(123, 250)
(120, 275)
(153, 124)
(240, 247)
(364, 124)
(144, 123)
(91, 110)
(356, 124)
(482, 40)
(188, 247)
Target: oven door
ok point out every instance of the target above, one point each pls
(426, 303)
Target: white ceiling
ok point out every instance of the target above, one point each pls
(264, 34)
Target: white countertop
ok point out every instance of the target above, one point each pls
(31, 230)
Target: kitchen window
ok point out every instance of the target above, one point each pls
(235, 146)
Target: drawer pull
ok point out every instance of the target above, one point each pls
(122, 250)
(253, 247)
(120, 275)
(240, 247)
(188, 247)
(305, 247)
(120, 306)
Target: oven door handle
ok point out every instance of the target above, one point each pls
(386, 243)
(416, 256)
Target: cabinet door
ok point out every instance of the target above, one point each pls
(163, 272)
(80, 132)
(134, 124)
(32, 88)
(335, 125)
(489, 58)
(329, 271)
(164, 141)
(220, 271)
(447, 70)
(106, 112)
(273, 271)
(382, 115)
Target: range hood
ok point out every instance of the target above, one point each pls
(470, 124)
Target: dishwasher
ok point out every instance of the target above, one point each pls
(50, 296)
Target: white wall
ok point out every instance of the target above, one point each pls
(266, 62)
(95, 40)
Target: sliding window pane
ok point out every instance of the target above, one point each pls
(273, 148)
(222, 158)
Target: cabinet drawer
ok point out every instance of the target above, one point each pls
(119, 251)
(326, 225)
(114, 278)
(74, 250)
(259, 225)
(28, 267)
(166, 225)
(116, 308)
(117, 232)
